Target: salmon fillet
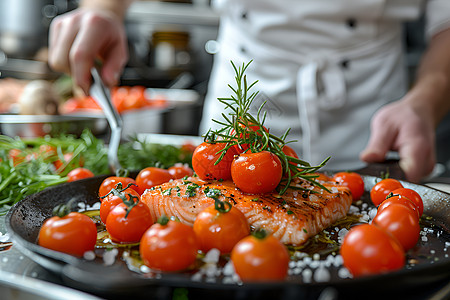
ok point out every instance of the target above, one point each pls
(292, 217)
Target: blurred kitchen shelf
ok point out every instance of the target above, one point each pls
(155, 12)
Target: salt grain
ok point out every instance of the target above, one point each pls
(307, 274)
(197, 277)
(228, 269)
(4, 237)
(212, 256)
(110, 256)
(89, 255)
(424, 239)
(322, 275)
(344, 273)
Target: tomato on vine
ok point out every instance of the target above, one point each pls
(379, 191)
(398, 199)
(74, 233)
(245, 133)
(353, 181)
(220, 226)
(204, 161)
(401, 222)
(79, 173)
(151, 176)
(110, 182)
(116, 196)
(368, 250)
(413, 196)
(127, 221)
(260, 257)
(256, 173)
(169, 245)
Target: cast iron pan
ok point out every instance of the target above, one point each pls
(26, 217)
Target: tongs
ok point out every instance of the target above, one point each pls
(102, 95)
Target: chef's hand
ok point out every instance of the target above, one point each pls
(400, 127)
(78, 38)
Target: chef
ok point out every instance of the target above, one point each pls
(332, 71)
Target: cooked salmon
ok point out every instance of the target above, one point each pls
(292, 217)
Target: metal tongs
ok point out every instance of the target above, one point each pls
(102, 95)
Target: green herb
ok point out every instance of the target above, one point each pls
(191, 189)
(212, 193)
(33, 170)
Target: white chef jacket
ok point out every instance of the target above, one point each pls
(323, 66)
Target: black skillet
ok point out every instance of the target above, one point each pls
(117, 281)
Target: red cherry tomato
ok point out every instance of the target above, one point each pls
(17, 156)
(79, 173)
(260, 259)
(61, 164)
(353, 181)
(180, 170)
(401, 222)
(73, 234)
(288, 151)
(368, 250)
(220, 229)
(397, 199)
(170, 246)
(379, 191)
(113, 199)
(246, 133)
(204, 161)
(413, 196)
(256, 173)
(151, 176)
(127, 224)
(110, 182)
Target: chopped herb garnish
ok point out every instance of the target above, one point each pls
(213, 193)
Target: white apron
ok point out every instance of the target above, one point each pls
(324, 67)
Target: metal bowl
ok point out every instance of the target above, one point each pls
(30, 126)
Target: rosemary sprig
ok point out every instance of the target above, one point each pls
(234, 131)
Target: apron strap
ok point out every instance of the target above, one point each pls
(319, 87)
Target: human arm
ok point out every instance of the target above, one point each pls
(408, 125)
(93, 31)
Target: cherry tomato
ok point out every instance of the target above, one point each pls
(79, 173)
(113, 199)
(73, 234)
(204, 161)
(248, 130)
(260, 258)
(398, 199)
(413, 196)
(60, 164)
(151, 176)
(169, 246)
(287, 150)
(47, 150)
(180, 170)
(401, 222)
(256, 173)
(17, 156)
(368, 250)
(220, 229)
(110, 182)
(127, 224)
(380, 190)
(353, 181)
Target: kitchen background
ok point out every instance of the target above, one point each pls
(171, 46)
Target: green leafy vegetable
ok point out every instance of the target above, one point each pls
(34, 169)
